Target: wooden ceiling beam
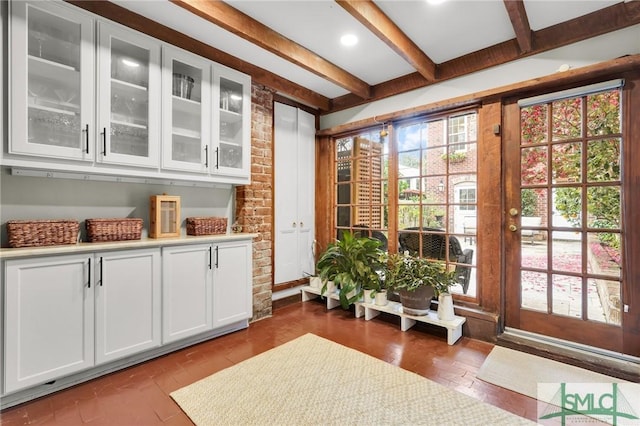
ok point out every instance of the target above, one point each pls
(612, 18)
(242, 25)
(386, 30)
(259, 75)
(520, 23)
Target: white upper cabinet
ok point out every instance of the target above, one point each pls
(186, 85)
(129, 97)
(85, 89)
(51, 81)
(231, 123)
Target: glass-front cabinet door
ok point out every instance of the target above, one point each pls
(129, 97)
(51, 91)
(232, 122)
(186, 88)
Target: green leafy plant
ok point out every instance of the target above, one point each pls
(352, 263)
(455, 157)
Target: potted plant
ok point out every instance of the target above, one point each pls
(352, 264)
(416, 279)
(443, 292)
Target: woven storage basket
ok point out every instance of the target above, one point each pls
(36, 233)
(113, 229)
(206, 225)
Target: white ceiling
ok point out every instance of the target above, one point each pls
(443, 32)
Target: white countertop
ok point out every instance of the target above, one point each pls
(13, 253)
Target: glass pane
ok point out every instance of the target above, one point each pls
(533, 256)
(53, 83)
(533, 290)
(567, 203)
(604, 303)
(533, 202)
(567, 119)
(567, 295)
(533, 124)
(435, 133)
(343, 216)
(129, 63)
(604, 254)
(53, 38)
(603, 207)
(54, 128)
(129, 140)
(603, 113)
(230, 96)
(344, 193)
(603, 160)
(433, 162)
(533, 165)
(186, 149)
(565, 162)
(567, 255)
(408, 216)
(409, 164)
(344, 147)
(187, 81)
(433, 216)
(230, 155)
(411, 137)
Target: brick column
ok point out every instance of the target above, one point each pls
(254, 203)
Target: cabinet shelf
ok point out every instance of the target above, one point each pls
(230, 116)
(186, 133)
(128, 124)
(124, 85)
(51, 64)
(55, 110)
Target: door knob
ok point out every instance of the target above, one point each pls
(513, 228)
(294, 224)
(513, 212)
(301, 224)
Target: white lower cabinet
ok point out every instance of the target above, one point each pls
(49, 328)
(67, 313)
(205, 286)
(232, 277)
(76, 313)
(186, 291)
(127, 303)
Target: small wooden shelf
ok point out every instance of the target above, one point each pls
(370, 310)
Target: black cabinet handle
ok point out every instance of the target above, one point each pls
(210, 258)
(104, 141)
(86, 131)
(89, 279)
(217, 158)
(206, 156)
(217, 255)
(101, 273)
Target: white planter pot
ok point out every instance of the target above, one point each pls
(331, 287)
(367, 297)
(315, 282)
(445, 307)
(381, 298)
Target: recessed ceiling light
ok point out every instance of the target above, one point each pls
(349, 40)
(435, 2)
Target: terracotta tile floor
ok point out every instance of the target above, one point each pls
(139, 395)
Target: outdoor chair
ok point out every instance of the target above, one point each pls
(434, 246)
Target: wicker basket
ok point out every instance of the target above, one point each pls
(206, 225)
(99, 230)
(36, 233)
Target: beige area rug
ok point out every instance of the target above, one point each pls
(521, 372)
(311, 380)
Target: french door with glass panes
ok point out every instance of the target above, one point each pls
(565, 225)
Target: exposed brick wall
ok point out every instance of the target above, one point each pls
(254, 203)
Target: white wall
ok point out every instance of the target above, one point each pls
(23, 197)
(598, 49)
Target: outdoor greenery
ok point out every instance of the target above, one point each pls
(602, 115)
